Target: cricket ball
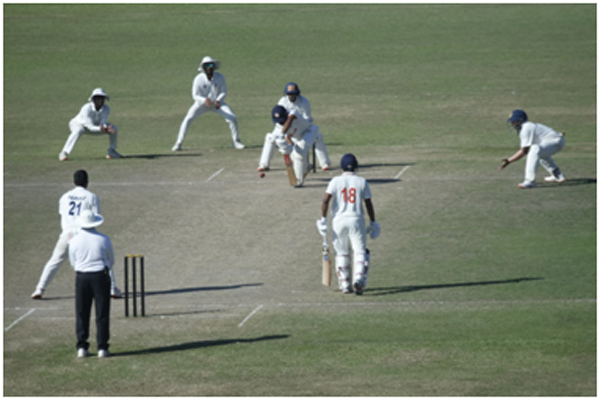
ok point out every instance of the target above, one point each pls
(262, 174)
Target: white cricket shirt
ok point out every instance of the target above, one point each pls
(91, 251)
(213, 89)
(348, 193)
(72, 203)
(92, 119)
(532, 133)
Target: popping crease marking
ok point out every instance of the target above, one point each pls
(250, 315)
(19, 319)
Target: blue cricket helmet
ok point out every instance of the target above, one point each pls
(518, 116)
(349, 162)
(279, 114)
(292, 88)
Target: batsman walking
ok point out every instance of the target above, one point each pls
(348, 192)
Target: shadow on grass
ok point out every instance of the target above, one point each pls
(404, 289)
(569, 182)
(154, 156)
(170, 291)
(199, 289)
(197, 345)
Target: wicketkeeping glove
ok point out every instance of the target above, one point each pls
(373, 230)
(322, 226)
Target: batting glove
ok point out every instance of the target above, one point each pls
(322, 226)
(373, 230)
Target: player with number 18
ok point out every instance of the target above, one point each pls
(349, 191)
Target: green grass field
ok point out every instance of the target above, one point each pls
(477, 288)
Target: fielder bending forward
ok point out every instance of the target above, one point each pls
(349, 191)
(538, 143)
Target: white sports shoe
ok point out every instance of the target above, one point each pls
(238, 145)
(116, 293)
(62, 156)
(560, 178)
(82, 353)
(176, 147)
(103, 354)
(526, 185)
(112, 153)
(37, 295)
(262, 169)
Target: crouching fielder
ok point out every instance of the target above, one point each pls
(349, 191)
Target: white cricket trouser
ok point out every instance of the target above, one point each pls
(320, 148)
(197, 109)
(349, 232)
(300, 154)
(59, 255)
(77, 129)
(272, 140)
(542, 154)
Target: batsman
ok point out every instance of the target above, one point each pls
(348, 192)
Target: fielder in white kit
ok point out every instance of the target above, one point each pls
(298, 108)
(538, 144)
(348, 192)
(92, 119)
(70, 205)
(208, 91)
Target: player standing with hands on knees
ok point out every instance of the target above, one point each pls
(209, 91)
(538, 143)
(348, 192)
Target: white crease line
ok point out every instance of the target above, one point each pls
(19, 320)
(250, 315)
(213, 175)
(401, 172)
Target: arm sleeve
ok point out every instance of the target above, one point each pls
(221, 88)
(197, 89)
(526, 135)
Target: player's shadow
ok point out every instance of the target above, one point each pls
(202, 344)
(155, 156)
(382, 291)
(378, 165)
(569, 182)
(199, 289)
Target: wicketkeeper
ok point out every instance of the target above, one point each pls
(298, 107)
(348, 192)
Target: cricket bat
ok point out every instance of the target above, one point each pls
(289, 168)
(326, 280)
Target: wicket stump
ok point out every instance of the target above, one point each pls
(134, 258)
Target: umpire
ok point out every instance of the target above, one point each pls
(91, 255)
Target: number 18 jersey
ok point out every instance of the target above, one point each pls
(348, 191)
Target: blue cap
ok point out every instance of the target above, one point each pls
(292, 88)
(349, 162)
(517, 115)
(279, 114)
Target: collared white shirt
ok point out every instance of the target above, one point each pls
(91, 251)
(92, 119)
(213, 89)
(72, 203)
(348, 192)
(300, 108)
(533, 133)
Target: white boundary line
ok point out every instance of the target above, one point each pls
(401, 172)
(214, 175)
(19, 320)
(250, 315)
